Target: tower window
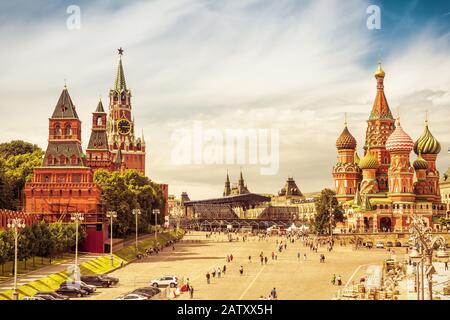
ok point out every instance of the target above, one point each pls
(99, 121)
(68, 130)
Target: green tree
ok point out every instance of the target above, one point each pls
(326, 204)
(16, 147)
(25, 244)
(6, 248)
(444, 222)
(123, 192)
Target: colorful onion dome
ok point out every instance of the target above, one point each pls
(399, 140)
(420, 163)
(379, 72)
(346, 140)
(427, 143)
(368, 161)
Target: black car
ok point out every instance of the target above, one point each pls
(398, 244)
(389, 244)
(55, 295)
(45, 297)
(112, 279)
(148, 292)
(72, 292)
(96, 281)
(80, 285)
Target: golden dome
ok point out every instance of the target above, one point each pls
(368, 161)
(379, 72)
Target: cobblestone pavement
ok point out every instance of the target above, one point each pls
(292, 278)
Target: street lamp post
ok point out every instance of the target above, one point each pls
(111, 215)
(136, 213)
(15, 224)
(422, 236)
(156, 213)
(77, 217)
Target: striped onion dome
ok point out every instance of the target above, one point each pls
(420, 163)
(399, 140)
(427, 143)
(346, 140)
(368, 161)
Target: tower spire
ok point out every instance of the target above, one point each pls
(120, 83)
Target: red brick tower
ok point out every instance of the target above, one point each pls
(379, 128)
(98, 155)
(120, 125)
(63, 183)
(346, 173)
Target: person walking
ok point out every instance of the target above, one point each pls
(208, 278)
(213, 272)
(273, 255)
(298, 256)
(276, 256)
(339, 280)
(265, 260)
(262, 260)
(304, 256)
(224, 269)
(250, 259)
(446, 265)
(273, 294)
(241, 270)
(333, 280)
(218, 272)
(191, 292)
(231, 257)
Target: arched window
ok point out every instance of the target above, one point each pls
(99, 121)
(58, 131)
(68, 130)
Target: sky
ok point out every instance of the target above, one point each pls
(291, 66)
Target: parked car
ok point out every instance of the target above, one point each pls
(149, 292)
(369, 244)
(33, 298)
(132, 296)
(398, 244)
(97, 281)
(171, 281)
(389, 244)
(379, 244)
(80, 284)
(47, 297)
(112, 279)
(72, 291)
(55, 295)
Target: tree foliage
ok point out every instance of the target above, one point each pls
(124, 191)
(325, 204)
(17, 161)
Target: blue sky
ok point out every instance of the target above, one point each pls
(290, 65)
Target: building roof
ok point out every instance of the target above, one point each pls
(290, 189)
(246, 198)
(120, 84)
(380, 109)
(427, 143)
(98, 140)
(66, 149)
(64, 107)
(346, 140)
(100, 108)
(399, 140)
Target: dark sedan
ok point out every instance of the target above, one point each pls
(148, 292)
(55, 295)
(81, 285)
(72, 292)
(96, 281)
(112, 279)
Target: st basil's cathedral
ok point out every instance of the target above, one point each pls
(380, 191)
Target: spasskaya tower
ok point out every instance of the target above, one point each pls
(121, 126)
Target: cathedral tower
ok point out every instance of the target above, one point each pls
(346, 173)
(379, 127)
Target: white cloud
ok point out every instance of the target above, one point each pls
(268, 64)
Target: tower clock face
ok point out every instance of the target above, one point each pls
(124, 126)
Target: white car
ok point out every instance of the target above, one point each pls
(170, 281)
(132, 296)
(379, 244)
